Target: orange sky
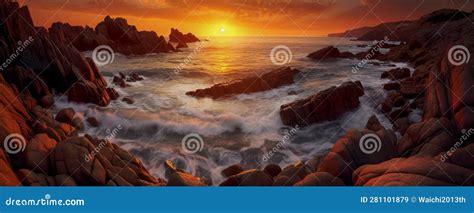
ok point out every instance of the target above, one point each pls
(239, 17)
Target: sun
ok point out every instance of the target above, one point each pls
(222, 30)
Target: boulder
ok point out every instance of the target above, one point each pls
(267, 81)
(326, 105)
(65, 115)
(37, 152)
(358, 148)
(93, 122)
(184, 179)
(232, 170)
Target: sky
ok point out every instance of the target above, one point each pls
(239, 17)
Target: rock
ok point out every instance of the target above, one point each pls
(324, 106)
(37, 151)
(114, 32)
(71, 157)
(414, 171)
(128, 100)
(7, 177)
(272, 170)
(320, 179)
(77, 123)
(397, 74)
(232, 170)
(267, 81)
(313, 164)
(113, 94)
(184, 179)
(47, 101)
(178, 37)
(401, 125)
(351, 152)
(427, 138)
(87, 92)
(181, 45)
(120, 82)
(65, 115)
(291, 174)
(134, 78)
(412, 87)
(373, 124)
(330, 52)
(93, 122)
(391, 86)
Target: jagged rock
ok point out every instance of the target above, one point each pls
(267, 81)
(114, 32)
(179, 37)
(326, 105)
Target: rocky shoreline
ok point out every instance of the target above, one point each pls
(53, 154)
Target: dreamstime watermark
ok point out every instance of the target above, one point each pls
(22, 45)
(286, 137)
(177, 70)
(459, 55)
(45, 201)
(103, 55)
(192, 143)
(14, 144)
(370, 55)
(466, 134)
(111, 134)
(281, 55)
(370, 143)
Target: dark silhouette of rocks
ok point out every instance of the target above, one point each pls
(179, 37)
(114, 32)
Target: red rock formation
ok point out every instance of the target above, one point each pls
(267, 81)
(323, 106)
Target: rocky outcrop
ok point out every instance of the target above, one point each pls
(330, 52)
(326, 105)
(267, 81)
(114, 32)
(45, 58)
(179, 37)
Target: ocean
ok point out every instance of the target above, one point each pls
(244, 129)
